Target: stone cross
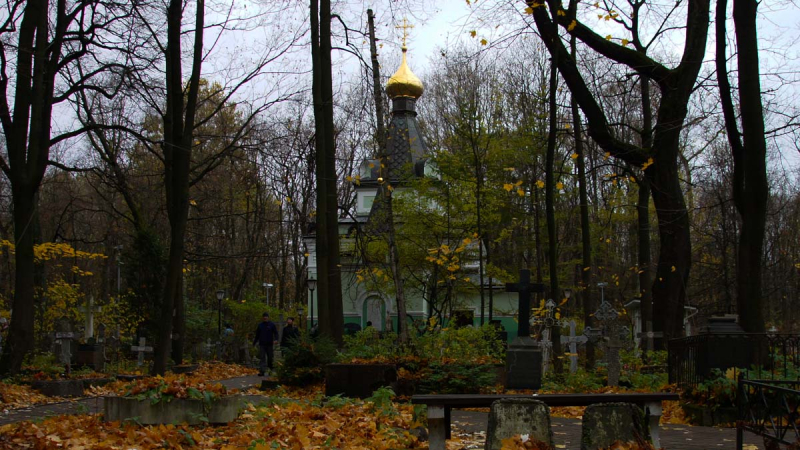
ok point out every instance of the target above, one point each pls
(545, 324)
(613, 336)
(649, 336)
(572, 342)
(89, 309)
(141, 349)
(101, 333)
(524, 287)
(64, 337)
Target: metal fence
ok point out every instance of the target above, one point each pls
(765, 355)
(768, 408)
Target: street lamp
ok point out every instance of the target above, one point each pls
(312, 285)
(220, 296)
(267, 286)
(602, 285)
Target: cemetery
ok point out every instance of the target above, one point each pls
(227, 226)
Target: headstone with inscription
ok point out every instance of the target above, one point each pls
(524, 356)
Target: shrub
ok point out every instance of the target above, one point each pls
(439, 378)
(304, 362)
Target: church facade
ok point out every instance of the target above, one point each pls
(402, 158)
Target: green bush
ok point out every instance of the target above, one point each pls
(304, 363)
(578, 382)
(369, 344)
(462, 345)
(440, 378)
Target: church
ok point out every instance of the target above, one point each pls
(403, 159)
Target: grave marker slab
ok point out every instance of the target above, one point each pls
(524, 356)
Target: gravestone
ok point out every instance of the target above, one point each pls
(112, 343)
(141, 349)
(64, 338)
(545, 325)
(604, 424)
(89, 310)
(612, 336)
(511, 417)
(572, 342)
(524, 356)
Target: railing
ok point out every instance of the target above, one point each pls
(765, 355)
(768, 408)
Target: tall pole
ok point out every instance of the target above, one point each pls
(312, 308)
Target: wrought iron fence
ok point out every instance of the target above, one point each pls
(765, 355)
(768, 408)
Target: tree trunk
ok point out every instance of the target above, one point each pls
(669, 286)
(586, 232)
(177, 149)
(20, 332)
(331, 318)
(751, 187)
(552, 238)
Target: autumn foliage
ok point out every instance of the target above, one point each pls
(292, 425)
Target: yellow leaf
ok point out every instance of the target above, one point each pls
(192, 202)
(349, 178)
(574, 156)
(484, 42)
(647, 164)
(539, 184)
(607, 155)
(559, 185)
(608, 36)
(508, 187)
(528, 10)
(561, 12)
(473, 33)
(572, 25)
(520, 192)
(673, 269)
(625, 42)
(518, 183)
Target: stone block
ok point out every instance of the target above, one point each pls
(91, 355)
(90, 382)
(184, 369)
(606, 423)
(523, 366)
(511, 417)
(190, 411)
(59, 388)
(358, 380)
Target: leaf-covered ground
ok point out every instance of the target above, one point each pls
(293, 425)
(20, 396)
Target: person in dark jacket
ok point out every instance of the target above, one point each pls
(266, 336)
(290, 334)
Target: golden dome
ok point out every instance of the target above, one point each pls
(404, 83)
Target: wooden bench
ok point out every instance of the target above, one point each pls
(439, 407)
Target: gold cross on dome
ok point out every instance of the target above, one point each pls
(405, 26)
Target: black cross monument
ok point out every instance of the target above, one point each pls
(524, 356)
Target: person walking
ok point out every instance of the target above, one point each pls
(266, 336)
(290, 334)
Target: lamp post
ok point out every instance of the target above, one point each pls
(118, 249)
(312, 285)
(267, 287)
(602, 285)
(220, 296)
